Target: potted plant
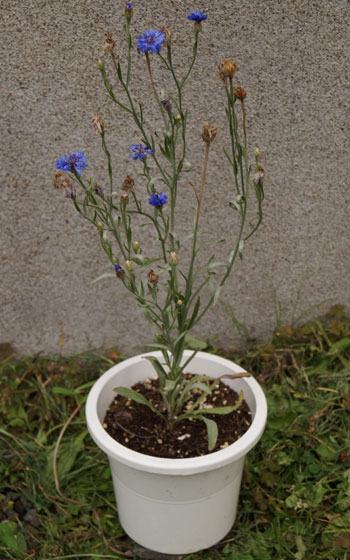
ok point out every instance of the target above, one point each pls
(178, 494)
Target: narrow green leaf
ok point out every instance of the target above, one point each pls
(135, 396)
(158, 367)
(212, 431)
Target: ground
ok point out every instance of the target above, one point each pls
(56, 494)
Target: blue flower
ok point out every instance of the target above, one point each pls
(197, 16)
(118, 270)
(152, 41)
(73, 162)
(128, 6)
(139, 152)
(158, 199)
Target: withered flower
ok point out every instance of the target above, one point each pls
(153, 277)
(128, 184)
(209, 133)
(109, 44)
(98, 124)
(226, 69)
(98, 190)
(167, 34)
(240, 93)
(61, 181)
(259, 176)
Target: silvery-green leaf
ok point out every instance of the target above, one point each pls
(212, 431)
(105, 275)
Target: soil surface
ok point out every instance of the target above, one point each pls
(137, 427)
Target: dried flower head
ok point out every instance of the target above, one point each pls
(259, 176)
(240, 93)
(226, 69)
(153, 277)
(98, 190)
(167, 34)
(128, 184)
(109, 44)
(61, 181)
(209, 133)
(98, 124)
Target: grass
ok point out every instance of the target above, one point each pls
(56, 495)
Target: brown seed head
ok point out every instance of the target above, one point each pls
(128, 184)
(226, 69)
(109, 44)
(153, 277)
(209, 133)
(240, 93)
(98, 124)
(167, 34)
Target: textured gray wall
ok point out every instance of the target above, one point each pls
(293, 59)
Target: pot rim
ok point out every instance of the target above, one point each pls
(185, 466)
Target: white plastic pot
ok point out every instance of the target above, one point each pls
(175, 506)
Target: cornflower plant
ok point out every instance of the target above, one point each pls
(173, 306)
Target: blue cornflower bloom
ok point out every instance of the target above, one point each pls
(158, 199)
(128, 5)
(139, 152)
(197, 16)
(152, 41)
(72, 162)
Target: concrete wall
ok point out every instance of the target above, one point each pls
(293, 59)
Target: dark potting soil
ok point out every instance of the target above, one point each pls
(135, 425)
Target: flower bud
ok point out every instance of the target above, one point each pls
(240, 93)
(129, 265)
(128, 10)
(100, 65)
(209, 133)
(177, 118)
(226, 69)
(173, 260)
(179, 302)
(124, 199)
(98, 124)
(119, 271)
(153, 277)
(136, 246)
(128, 184)
(257, 152)
(109, 44)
